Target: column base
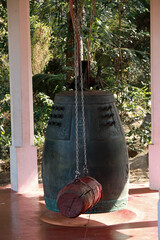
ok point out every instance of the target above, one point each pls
(154, 167)
(24, 171)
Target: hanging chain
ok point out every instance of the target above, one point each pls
(85, 169)
(77, 172)
(79, 69)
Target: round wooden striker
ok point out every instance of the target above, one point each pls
(79, 196)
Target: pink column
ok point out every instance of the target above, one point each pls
(23, 154)
(154, 149)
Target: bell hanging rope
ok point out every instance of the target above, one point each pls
(82, 193)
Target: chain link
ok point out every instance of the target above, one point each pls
(77, 172)
(85, 169)
(79, 69)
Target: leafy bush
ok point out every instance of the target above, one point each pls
(135, 112)
(5, 126)
(42, 111)
(48, 83)
(40, 37)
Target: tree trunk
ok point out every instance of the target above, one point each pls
(70, 38)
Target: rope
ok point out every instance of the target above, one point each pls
(75, 27)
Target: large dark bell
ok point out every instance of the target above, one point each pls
(106, 149)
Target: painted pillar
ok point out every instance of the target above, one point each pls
(23, 153)
(154, 149)
(159, 217)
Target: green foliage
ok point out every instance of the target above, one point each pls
(120, 49)
(52, 13)
(3, 28)
(119, 53)
(42, 111)
(48, 83)
(109, 40)
(5, 126)
(136, 116)
(4, 68)
(4, 74)
(40, 46)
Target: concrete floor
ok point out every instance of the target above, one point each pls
(20, 218)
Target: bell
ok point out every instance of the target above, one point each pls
(106, 149)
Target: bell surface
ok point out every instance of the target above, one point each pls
(107, 154)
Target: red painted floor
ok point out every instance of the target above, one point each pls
(20, 219)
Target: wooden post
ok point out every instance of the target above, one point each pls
(23, 154)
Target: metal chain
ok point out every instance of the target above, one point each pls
(85, 168)
(79, 69)
(77, 172)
